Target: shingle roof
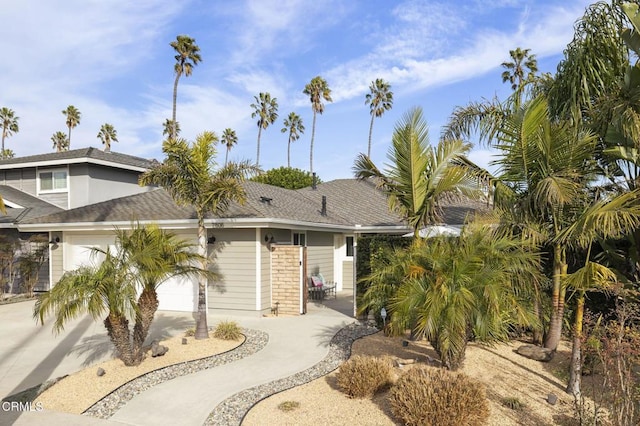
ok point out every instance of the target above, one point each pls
(76, 154)
(32, 207)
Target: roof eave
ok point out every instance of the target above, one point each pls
(64, 162)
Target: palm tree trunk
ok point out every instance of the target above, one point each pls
(289, 152)
(575, 377)
(175, 101)
(258, 149)
(118, 331)
(147, 307)
(4, 135)
(226, 157)
(557, 299)
(370, 133)
(313, 135)
(202, 328)
(69, 147)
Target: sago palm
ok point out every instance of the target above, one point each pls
(188, 174)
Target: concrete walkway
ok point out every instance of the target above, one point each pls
(295, 344)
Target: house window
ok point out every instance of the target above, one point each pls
(349, 244)
(53, 181)
(299, 239)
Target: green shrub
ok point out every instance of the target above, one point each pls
(228, 330)
(428, 396)
(513, 403)
(190, 332)
(363, 376)
(288, 405)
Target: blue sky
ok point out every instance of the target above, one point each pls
(112, 60)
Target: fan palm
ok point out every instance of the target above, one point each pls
(523, 63)
(229, 139)
(9, 123)
(380, 99)
(60, 141)
(419, 176)
(107, 134)
(187, 56)
(317, 90)
(455, 288)
(266, 110)
(293, 125)
(144, 258)
(187, 174)
(73, 119)
(168, 127)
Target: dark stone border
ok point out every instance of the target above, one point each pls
(255, 341)
(233, 410)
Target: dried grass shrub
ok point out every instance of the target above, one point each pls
(364, 376)
(228, 330)
(428, 396)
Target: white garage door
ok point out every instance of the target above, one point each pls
(175, 294)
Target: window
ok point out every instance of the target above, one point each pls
(349, 241)
(53, 181)
(299, 239)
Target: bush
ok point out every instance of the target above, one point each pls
(363, 376)
(227, 330)
(429, 396)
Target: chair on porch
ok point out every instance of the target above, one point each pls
(319, 288)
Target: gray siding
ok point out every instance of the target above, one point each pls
(347, 274)
(22, 179)
(320, 254)
(56, 259)
(265, 272)
(59, 199)
(235, 262)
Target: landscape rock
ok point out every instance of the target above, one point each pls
(100, 372)
(157, 349)
(534, 352)
(552, 398)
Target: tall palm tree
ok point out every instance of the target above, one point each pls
(380, 99)
(317, 90)
(167, 128)
(60, 141)
(73, 119)
(145, 257)
(266, 110)
(107, 134)
(188, 175)
(9, 123)
(293, 125)
(187, 57)
(229, 139)
(420, 176)
(521, 70)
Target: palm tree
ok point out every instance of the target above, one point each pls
(187, 57)
(266, 109)
(293, 125)
(317, 90)
(146, 256)
(60, 141)
(229, 139)
(9, 123)
(449, 289)
(188, 175)
(515, 71)
(380, 99)
(73, 119)
(605, 219)
(420, 176)
(107, 134)
(168, 127)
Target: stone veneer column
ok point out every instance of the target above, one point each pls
(285, 279)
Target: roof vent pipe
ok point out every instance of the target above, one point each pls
(313, 180)
(323, 212)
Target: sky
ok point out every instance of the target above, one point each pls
(112, 60)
